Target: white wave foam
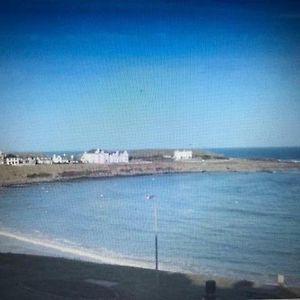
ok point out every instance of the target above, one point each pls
(68, 249)
(102, 256)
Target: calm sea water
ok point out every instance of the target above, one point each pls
(284, 153)
(244, 225)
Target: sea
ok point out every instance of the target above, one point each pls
(219, 224)
(274, 153)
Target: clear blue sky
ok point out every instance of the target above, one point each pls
(133, 74)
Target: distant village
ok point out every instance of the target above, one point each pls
(94, 156)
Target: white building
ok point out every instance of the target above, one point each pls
(57, 159)
(12, 160)
(182, 154)
(102, 157)
(30, 160)
(44, 160)
(1, 158)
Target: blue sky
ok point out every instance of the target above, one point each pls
(149, 74)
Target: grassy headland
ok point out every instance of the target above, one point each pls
(29, 174)
(142, 162)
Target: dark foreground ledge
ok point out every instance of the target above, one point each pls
(37, 277)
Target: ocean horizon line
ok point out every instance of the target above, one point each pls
(153, 148)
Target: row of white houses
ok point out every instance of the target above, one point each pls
(17, 160)
(14, 160)
(93, 156)
(97, 156)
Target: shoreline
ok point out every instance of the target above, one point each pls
(46, 277)
(48, 247)
(19, 175)
(23, 244)
(71, 251)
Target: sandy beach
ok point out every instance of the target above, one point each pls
(11, 175)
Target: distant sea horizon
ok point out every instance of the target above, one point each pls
(278, 153)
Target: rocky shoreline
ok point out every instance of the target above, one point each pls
(13, 175)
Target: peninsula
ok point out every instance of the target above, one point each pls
(142, 162)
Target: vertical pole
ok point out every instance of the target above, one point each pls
(156, 253)
(156, 240)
